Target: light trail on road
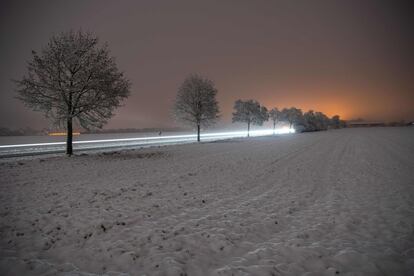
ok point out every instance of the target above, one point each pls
(55, 147)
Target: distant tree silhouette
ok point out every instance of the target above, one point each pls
(250, 112)
(293, 116)
(322, 120)
(73, 78)
(275, 116)
(336, 122)
(315, 121)
(196, 102)
(309, 121)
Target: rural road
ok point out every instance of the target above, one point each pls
(39, 145)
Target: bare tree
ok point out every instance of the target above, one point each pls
(73, 78)
(293, 116)
(275, 116)
(196, 102)
(250, 112)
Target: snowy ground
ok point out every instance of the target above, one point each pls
(327, 203)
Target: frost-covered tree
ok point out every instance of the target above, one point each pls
(250, 112)
(309, 121)
(315, 121)
(275, 116)
(322, 121)
(292, 115)
(196, 102)
(72, 79)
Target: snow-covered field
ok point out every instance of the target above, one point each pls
(327, 203)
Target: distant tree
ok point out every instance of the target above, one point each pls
(292, 115)
(322, 121)
(275, 116)
(309, 121)
(196, 102)
(250, 112)
(315, 121)
(335, 121)
(74, 78)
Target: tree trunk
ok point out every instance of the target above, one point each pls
(69, 135)
(198, 133)
(274, 127)
(248, 129)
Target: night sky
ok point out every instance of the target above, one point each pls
(352, 58)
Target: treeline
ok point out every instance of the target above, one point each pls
(4, 131)
(196, 105)
(251, 112)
